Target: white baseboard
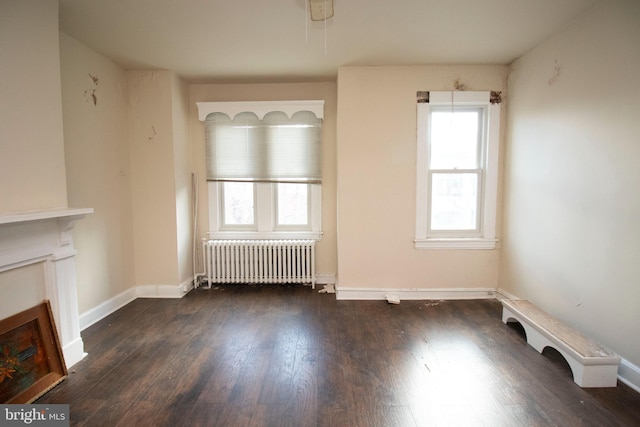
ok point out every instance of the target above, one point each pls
(414, 294)
(73, 352)
(101, 311)
(629, 374)
(164, 291)
(187, 286)
(502, 294)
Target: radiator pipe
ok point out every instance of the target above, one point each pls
(195, 199)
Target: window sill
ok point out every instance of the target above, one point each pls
(458, 243)
(273, 235)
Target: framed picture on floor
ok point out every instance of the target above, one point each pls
(31, 361)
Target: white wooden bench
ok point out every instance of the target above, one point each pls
(592, 365)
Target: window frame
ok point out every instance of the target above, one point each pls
(485, 236)
(265, 211)
(453, 233)
(265, 194)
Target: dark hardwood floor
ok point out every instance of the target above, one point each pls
(288, 356)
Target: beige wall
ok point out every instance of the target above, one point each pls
(153, 177)
(98, 170)
(376, 174)
(128, 156)
(326, 261)
(572, 237)
(32, 170)
(183, 190)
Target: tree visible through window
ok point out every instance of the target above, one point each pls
(293, 204)
(238, 204)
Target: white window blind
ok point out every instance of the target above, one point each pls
(279, 147)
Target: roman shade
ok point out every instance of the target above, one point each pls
(263, 146)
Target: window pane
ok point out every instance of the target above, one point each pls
(233, 148)
(454, 201)
(238, 203)
(293, 204)
(294, 148)
(454, 139)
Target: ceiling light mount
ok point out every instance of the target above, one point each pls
(321, 10)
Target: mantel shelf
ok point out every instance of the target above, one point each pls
(17, 217)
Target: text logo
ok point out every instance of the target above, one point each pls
(34, 415)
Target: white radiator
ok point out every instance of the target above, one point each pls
(259, 261)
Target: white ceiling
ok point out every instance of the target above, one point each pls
(275, 40)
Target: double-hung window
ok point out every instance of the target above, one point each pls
(263, 163)
(458, 145)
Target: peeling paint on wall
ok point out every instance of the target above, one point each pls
(90, 94)
(153, 133)
(556, 73)
(458, 85)
(422, 96)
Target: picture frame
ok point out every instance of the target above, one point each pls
(31, 359)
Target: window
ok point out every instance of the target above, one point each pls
(292, 206)
(264, 168)
(262, 208)
(458, 143)
(238, 205)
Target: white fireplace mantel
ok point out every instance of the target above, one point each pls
(44, 236)
(37, 215)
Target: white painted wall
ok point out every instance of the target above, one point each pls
(29, 293)
(326, 257)
(571, 230)
(376, 173)
(98, 170)
(32, 169)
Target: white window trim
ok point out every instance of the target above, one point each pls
(490, 191)
(265, 227)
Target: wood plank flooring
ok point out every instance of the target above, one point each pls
(288, 356)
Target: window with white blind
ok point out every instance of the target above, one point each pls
(458, 144)
(264, 163)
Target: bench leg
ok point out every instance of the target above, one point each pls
(534, 338)
(596, 375)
